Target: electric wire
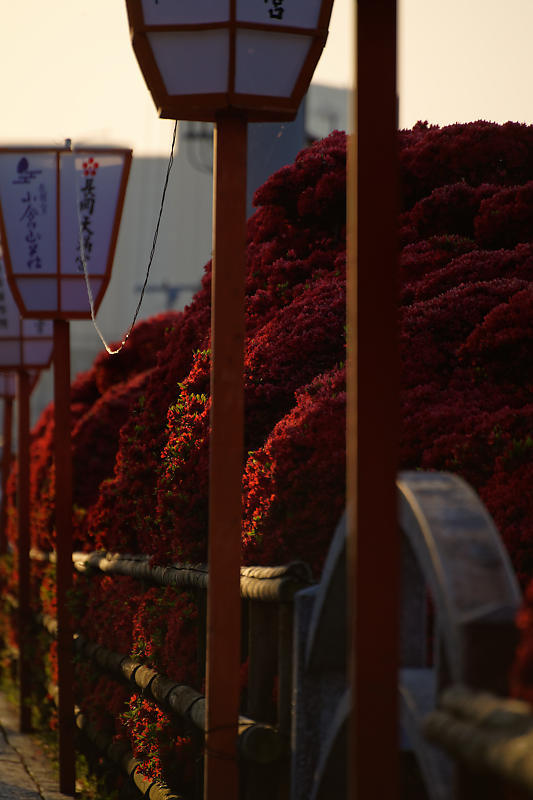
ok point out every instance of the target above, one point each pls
(150, 258)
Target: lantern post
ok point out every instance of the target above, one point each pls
(64, 546)
(20, 382)
(226, 457)
(232, 62)
(60, 213)
(373, 408)
(25, 349)
(23, 507)
(6, 465)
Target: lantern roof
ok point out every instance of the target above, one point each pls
(201, 58)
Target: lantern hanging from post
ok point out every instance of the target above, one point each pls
(59, 217)
(208, 56)
(24, 343)
(230, 62)
(59, 208)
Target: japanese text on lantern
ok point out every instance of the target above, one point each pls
(34, 205)
(87, 204)
(277, 10)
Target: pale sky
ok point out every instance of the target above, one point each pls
(67, 68)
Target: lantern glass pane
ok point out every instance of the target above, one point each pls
(37, 353)
(10, 353)
(299, 13)
(269, 64)
(195, 62)
(8, 385)
(28, 189)
(9, 312)
(37, 328)
(38, 295)
(74, 297)
(90, 181)
(169, 12)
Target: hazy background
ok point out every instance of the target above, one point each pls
(67, 68)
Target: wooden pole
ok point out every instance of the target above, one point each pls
(23, 507)
(63, 510)
(226, 459)
(6, 466)
(372, 391)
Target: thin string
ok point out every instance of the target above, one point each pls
(150, 259)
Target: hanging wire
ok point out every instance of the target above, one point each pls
(150, 258)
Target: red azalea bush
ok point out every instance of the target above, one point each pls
(466, 327)
(466, 272)
(286, 480)
(122, 516)
(506, 217)
(101, 399)
(449, 208)
(472, 152)
(159, 739)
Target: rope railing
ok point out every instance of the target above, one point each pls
(487, 734)
(276, 584)
(260, 744)
(119, 753)
(257, 742)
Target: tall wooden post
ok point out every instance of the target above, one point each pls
(63, 511)
(226, 458)
(23, 508)
(6, 466)
(372, 389)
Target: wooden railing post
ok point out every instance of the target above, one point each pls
(23, 507)
(262, 659)
(6, 465)
(373, 406)
(63, 510)
(226, 457)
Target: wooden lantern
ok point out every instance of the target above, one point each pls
(58, 208)
(208, 56)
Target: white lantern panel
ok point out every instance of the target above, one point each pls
(269, 64)
(37, 352)
(9, 312)
(74, 296)
(195, 62)
(8, 384)
(37, 328)
(38, 295)
(18, 337)
(300, 13)
(170, 12)
(90, 187)
(10, 353)
(28, 203)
